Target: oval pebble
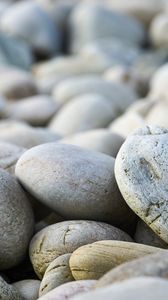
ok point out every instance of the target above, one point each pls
(57, 273)
(28, 289)
(94, 260)
(80, 184)
(65, 237)
(101, 140)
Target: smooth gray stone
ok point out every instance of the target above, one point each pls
(16, 221)
(68, 290)
(145, 235)
(80, 184)
(23, 135)
(28, 289)
(138, 288)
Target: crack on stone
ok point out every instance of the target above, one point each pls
(65, 234)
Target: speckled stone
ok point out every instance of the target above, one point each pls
(141, 174)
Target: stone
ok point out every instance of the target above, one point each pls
(153, 265)
(15, 52)
(27, 21)
(113, 50)
(127, 123)
(23, 135)
(159, 84)
(146, 66)
(50, 219)
(86, 112)
(16, 222)
(9, 155)
(101, 140)
(114, 92)
(135, 288)
(158, 114)
(57, 273)
(94, 260)
(73, 65)
(3, 107)
(65, 237)
(80, 184)
(113, 24)
(16, 84)
(68, 290)
(8, 292)
(144, 235)
(158, 30)
(59, 11)
(141, 174)
(143, 10)
(28, 289)
(36, 111)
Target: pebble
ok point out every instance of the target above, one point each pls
(65, 237)
(101, 140)
(145, 235)
(36, 110)
(143, 10)
(27, 21)
(82, 113)
(154, 265)
(16, 222)
(9, 155)
(16, 84)
(113, 50)
(158, 30)
(114, 92)
(23, 135)
(57, 273)
(113, 25)
(8, 292)
(80, 184)
(142, 176)
(127, 123)
(15, 52)
(135, 288)
(94, 260)
(28, 289)
(68, 290)
(159, 84)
